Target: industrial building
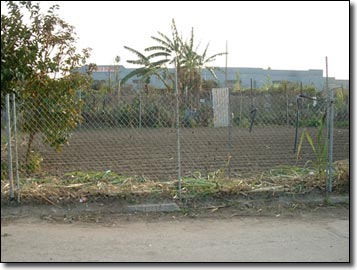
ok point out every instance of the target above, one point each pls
(259, 76)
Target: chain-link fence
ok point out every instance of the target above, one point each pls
(134, 134)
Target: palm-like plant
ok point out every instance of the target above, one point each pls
(188, 62)
(193, 63)
(148, 69)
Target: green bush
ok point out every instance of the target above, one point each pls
(4, 170)
(33, 164)
(313, 122)
(243, 123)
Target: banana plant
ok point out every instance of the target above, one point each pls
(173, 50)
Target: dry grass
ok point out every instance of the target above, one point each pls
(98, 186)
(342, 176)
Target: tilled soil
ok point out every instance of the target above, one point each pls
(152, 153)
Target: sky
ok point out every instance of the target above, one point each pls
(280, 35)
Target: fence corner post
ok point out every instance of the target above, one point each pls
(9, 148)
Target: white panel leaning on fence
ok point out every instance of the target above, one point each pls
(220, 98)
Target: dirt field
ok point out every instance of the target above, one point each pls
(42, 234)
(152, 152)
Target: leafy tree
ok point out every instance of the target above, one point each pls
(16, 51)
(38, 63)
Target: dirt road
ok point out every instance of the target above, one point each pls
(304, 237)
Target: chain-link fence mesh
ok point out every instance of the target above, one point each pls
(134, 134)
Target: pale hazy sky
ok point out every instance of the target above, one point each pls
(280, 35)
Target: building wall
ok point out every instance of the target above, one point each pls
(259, 76)
(334, 83)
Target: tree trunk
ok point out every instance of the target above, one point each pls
(29, 146)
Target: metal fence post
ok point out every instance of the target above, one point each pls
(8, 137)
(15, 144)
(229, 134)
(140, 109)
(229, 115)
(287, 105)
(80, 111)
(330, 131)
(178, 130)
(240, 107)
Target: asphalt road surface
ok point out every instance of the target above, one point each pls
(299, 238)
